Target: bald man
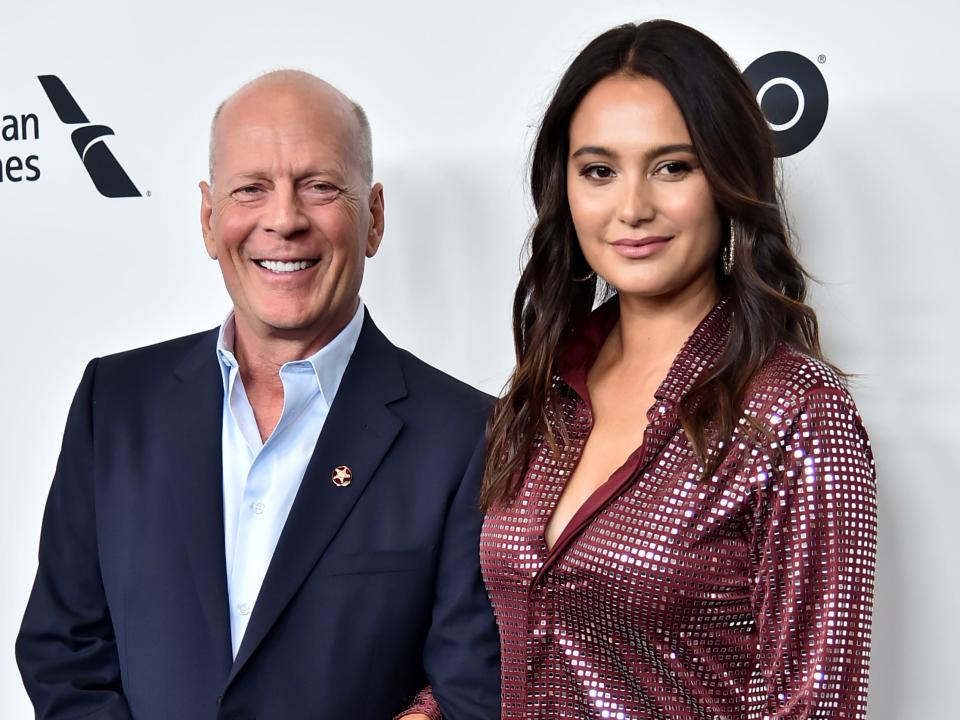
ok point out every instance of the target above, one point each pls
(276, 518)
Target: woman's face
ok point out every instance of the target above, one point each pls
(642, 208)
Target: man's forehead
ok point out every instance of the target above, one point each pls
(285, 107)
(272, 147)
(296, 105)
(283, 127)
(264, 130)
(272, 150)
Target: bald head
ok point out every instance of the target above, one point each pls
(287, 85)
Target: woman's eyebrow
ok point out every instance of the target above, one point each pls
(649, 155)
(593, 150)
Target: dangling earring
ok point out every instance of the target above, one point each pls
(729, 252)
(585, 278)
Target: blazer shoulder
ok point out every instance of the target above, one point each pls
(443, 390)
(159, 358)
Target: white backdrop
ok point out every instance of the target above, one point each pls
(453, 91)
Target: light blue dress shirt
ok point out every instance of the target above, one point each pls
(261, 479)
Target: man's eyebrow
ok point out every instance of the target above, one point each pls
(649, 155)
(250, 175)
(328, 172)
(325, 171)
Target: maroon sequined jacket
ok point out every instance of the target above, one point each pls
(742, 596)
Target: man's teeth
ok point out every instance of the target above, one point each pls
(280, 267)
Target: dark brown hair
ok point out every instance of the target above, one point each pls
(766, 289)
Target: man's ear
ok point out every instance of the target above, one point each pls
(375, 233)
(206, 211)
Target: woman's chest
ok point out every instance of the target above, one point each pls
(658, 535)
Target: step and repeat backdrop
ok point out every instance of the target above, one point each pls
(104, 119)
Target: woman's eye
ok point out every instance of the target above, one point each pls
(674, 168)
(597, 172)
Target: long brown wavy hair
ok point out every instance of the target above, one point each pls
(766, 290)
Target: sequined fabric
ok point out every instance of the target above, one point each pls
(742, 596)
(424, 703)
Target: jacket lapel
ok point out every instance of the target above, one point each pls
(357, 433)
(194, 415)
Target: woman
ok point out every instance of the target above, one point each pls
(681, 517)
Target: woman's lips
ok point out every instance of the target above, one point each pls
(640, 247)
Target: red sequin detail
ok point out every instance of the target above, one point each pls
(742, 596)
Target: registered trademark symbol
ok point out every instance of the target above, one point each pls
(821, 59)
(149, 193)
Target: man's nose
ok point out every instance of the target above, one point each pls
(636, 203)
(284, 213)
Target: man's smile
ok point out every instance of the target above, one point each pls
(285, 266)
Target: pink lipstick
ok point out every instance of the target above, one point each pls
(641, 247)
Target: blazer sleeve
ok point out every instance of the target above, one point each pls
(814, 557)
(462, 651)
(66, 648)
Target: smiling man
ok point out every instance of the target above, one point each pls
(276, 518)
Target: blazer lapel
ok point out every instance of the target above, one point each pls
(357, 433)
(194, 416)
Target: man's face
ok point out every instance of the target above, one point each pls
(289, 216)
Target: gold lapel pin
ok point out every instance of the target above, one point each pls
(342, 475)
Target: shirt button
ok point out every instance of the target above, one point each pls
(258, 508)
(243, 609)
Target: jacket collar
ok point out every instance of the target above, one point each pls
(698, 353)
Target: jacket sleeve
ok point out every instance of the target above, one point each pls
(462, 652)
(813, 567)
(66, 648)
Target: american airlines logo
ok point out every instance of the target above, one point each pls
(109, 177)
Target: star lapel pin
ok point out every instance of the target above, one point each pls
(342, 475)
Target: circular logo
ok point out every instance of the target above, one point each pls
(342, 475)
(792, 95)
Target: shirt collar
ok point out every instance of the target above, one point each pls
(699, 352)
(329, 363)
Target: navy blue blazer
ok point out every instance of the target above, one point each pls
(374, 590)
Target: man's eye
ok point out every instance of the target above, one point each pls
(247, 191)
(322, 188)
(597, 172)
